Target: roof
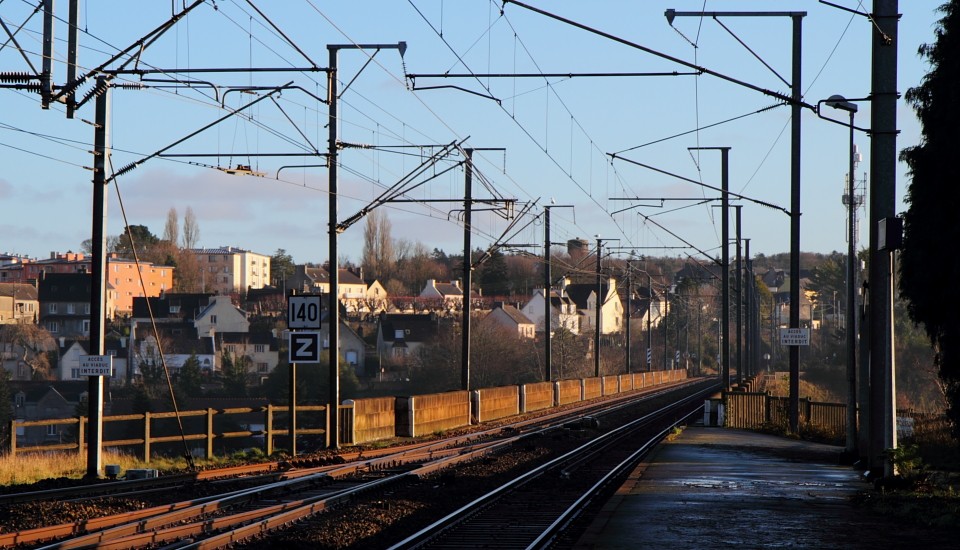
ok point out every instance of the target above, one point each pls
(187, 306)
(65, 287)
(70, 390)
(344, 276)
(178, 338)
(516, 315)
(416, 327)
(18, 291)
(222, 250)
(580, 292)
(246, 338)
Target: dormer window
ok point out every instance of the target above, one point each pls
(399, 334)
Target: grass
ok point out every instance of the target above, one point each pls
(26, 468)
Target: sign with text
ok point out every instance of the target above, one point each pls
(794, 337)
(96, 365)
(303, 311)
(304, 347)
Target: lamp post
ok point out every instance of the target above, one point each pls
(839, 102)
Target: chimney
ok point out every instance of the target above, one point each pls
(63, 341)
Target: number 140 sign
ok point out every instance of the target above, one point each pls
(303, 311)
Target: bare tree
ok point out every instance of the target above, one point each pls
(191, 231)
(379, 254)
(171, 231)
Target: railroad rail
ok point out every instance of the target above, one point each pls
(534, 509)
(281, 497)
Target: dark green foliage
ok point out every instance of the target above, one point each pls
(313, 382)
(190, 377)
(281, 266)
(928, 275)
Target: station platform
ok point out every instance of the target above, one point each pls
(723, 488)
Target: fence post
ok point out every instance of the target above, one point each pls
(209, 452)
(146, 437)
(81, 426)
(326, 428)
(269, 429)
(13, 438)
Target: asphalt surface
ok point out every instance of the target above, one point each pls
(725, 488)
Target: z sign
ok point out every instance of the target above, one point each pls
(303, 311)
(304, 347)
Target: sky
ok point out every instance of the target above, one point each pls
(538, 140)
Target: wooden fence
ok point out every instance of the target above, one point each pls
(751, 410)
(211, 434)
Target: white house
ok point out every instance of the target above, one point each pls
(563, 312)
(512, 319)
(611, 308)
(220, 315)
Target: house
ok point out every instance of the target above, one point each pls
(19, 303)
(227, 269)
(170, 307)
(512, 319)
(65, 303)
(261, 350)
(351, 287)
(72, 351)
(353, 348)
(563, 312)
(450, 295)
(377, 299)
(644, 306)
(611, 309)
(401, 336)
(179, 342)
(268, 301)
(123, 276)
(220, 315)
(46, 400)
(209, 313)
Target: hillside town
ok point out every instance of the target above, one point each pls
(219, 332)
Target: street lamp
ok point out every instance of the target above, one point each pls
(841, 103)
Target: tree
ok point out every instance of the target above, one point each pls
(378, 250)
(928, 275)
(191, 231)
(138, 236)
(281, 267)
(494, 275)
(234, 369)
(171, 231)
(190, 377)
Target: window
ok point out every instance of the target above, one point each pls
(19, 399)
(86, 309)
(226, 279)
(213, 319)
(263, 368)
(259, 348)
(53, 326)
(226, 269)
(52, 308)
(112, 352)
(52, 430)
(211, 258)
(74, 373)
(71, 309)
(85, 326)
(400, 352)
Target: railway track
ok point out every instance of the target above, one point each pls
(538, 508)
(281, 498)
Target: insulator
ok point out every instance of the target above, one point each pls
(16, 77)
(28, 87)
(95, 92)
(129, 86)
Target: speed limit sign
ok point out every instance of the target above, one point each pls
(303, 311)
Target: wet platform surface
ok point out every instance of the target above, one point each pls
(725, 488)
